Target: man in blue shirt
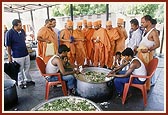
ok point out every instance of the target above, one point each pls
(17, 51)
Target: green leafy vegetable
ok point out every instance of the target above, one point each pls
(68, 104)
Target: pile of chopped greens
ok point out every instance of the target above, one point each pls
(68, 104)
(94, 76)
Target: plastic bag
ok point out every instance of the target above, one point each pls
(50, 49)
(12, 69)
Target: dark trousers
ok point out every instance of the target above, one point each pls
(119, 82)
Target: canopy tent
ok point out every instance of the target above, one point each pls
(20, 8)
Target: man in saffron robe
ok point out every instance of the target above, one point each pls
(89, 44)
(101, 46)
(56, 30)
(66, 37)
(46, 35)
(120, 43)
(113, 36)
(150, 42)
(80, 46)
(99, 23)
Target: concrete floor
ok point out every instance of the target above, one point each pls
(33, 95)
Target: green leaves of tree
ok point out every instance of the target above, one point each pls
(78, 9)
(144, 9)
(155, 10)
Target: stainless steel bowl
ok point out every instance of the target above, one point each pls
(97, 92)
(73, 107)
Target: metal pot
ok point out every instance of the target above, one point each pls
(97, 92)
(39, 106)
(10, 93)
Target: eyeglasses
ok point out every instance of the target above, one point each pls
(80, 26)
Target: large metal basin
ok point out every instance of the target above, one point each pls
(67, 103)
(10, 93)
(97, 92)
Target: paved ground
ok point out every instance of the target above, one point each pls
(33, 95)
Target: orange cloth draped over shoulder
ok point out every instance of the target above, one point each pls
(46, 34)
(80, 47)
(102, 48)
(113, 36)
(120, 43)
(65, 35)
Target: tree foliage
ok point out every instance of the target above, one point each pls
(160, 14)
(155, 10)
(144, 9)
(78, 9)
